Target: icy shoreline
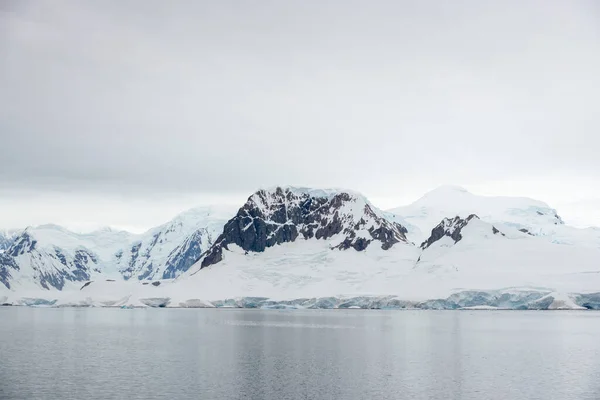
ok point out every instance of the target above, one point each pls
(464, 300)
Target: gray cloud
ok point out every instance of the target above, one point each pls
(193, 97)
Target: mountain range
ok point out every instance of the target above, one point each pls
(289, 243)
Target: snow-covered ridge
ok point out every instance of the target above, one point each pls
(312, 192)
(170, 249)
(102, 243)
(53, 257)
(452, 228)
(449, 201)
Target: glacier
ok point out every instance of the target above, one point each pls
(113, 294)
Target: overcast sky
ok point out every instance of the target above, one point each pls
(124, 113)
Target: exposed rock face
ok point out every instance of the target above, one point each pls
(495, 231)
(7, 265)
(134, 253)
(21, 245)
(146, 262)
(283, 215)
(451, 227)
(186, 254)
(172, 248)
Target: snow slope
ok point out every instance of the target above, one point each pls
(450, 201)
(486, 258)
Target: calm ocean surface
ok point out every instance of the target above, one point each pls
(76, 354)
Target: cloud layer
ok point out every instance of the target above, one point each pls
(132, 98)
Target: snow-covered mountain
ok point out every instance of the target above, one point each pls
(52, 257)
(529, 215)
(470, 253)
(457, 253)
(168, 250)
(283, 215)
(307, 247)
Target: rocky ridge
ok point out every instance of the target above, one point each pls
(282, 215)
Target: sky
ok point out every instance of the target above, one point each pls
(126, 113)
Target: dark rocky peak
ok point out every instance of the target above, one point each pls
(281, 215)
(451, 227)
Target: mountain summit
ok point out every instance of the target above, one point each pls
(286, 214)
(449, 201)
